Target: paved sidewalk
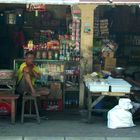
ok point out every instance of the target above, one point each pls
(66, 127)
(68, 138)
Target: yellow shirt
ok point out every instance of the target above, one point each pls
(20, 72)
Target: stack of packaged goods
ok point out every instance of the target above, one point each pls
(76, 33)
(108, 52)
(47, 50)
(68, 50)
(51, 72)
(104, 31)
(64, 49)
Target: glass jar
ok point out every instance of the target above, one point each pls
(44, 54)
(38, 54)
(49, 55)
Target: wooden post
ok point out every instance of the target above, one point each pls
(86, 62)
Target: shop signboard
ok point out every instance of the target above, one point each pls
(34, 7)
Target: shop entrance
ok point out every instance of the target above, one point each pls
(53, 33)
(117, 42)
(118, 24)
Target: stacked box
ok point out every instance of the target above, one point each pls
(109, 54)
(98, 87)
(55, 91)
(119, 85)
(109, 63)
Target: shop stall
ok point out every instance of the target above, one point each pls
(98, 88)
(116, 37)
(113, 25)
(69, 42)
(52, 32)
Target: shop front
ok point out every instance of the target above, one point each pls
(52, 32)
(68, 40)
(114, 55)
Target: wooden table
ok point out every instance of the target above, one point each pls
(100, 95)
(12, 98)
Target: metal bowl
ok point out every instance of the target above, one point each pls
(119, 70)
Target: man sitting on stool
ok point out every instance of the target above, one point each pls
(28, 72)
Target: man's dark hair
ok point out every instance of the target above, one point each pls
(29, 53)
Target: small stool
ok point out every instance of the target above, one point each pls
(30, 98)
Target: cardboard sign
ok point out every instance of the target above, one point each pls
(36, 7)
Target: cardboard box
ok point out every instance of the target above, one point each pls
(105, 54)
(108, 54)
(109, 63)
(55, 91)
(108, 68)
(111, 54)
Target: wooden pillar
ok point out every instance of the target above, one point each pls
(86, 62)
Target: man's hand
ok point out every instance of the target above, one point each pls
(35, 74)
(26, 69)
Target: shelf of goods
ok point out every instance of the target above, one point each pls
(57, 75)
(56, 60)
(71, 86)
(53, 78)
(101, 28)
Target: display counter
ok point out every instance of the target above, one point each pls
(102, 90)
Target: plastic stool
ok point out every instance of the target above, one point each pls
(29, 98)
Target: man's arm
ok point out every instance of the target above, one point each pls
(35, 72)
(26, 74)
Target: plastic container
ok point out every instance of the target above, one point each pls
(119, 85)
(98, 87)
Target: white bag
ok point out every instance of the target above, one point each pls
(120, 116)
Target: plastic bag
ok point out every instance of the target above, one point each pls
(120, 116)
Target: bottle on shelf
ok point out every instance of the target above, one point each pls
(56, 55)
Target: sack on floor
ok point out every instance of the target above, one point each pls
(120, 116)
